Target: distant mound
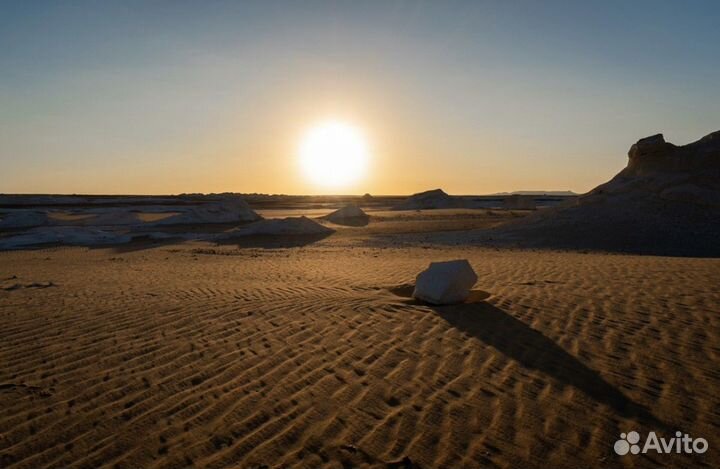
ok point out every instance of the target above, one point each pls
(665, 202)
(228, 210)
(350, 214)
(290, 226)
(436, 198)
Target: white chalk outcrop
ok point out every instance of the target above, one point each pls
(229, 210)
(290, 226)
(225, 211)
(348, 215)
(666, 201)
(98, 221)
(436, 198)
(19, 218)
(105, 216)
(445, 283)
(63, 235)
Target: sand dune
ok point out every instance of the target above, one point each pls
(207, 356)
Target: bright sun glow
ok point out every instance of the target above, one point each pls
(333, 154)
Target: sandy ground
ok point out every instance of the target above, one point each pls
(197, 355)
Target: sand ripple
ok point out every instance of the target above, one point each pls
(306, 358)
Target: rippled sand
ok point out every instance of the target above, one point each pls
(311, 356)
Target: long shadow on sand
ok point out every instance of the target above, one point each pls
(351, 221)
(532, 349)
(529, 347)
(273, 241)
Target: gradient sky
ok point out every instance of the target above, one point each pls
(474, 97)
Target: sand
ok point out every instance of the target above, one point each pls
(199, 355)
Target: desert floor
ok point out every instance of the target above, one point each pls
(311, 355)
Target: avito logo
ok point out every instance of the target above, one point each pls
(680, 443)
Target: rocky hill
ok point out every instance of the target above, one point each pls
(666, 202)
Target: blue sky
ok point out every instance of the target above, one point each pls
(473, 97)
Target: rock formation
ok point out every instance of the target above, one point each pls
(229, 210)
(436, 198)
(348, 215)
(666, 201)
(444, 283)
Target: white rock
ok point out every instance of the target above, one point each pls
(106, 216)
(693, 194)
(63, 235)
(23, 218)
(225, 211)
(283, 227)
(347, 215)
(348, 211)
(436, 198)
(445, 282)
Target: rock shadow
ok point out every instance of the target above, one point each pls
(532, 349)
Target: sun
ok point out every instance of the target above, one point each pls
(333, 154)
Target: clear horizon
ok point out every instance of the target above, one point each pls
(167, 98)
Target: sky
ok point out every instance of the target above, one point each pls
(476, 97)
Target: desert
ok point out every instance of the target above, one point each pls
(271, 234)
(297, 343)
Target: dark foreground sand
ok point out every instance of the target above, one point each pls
(212, 356)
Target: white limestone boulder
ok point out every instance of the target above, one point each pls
(348, 215)
(444, 283)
